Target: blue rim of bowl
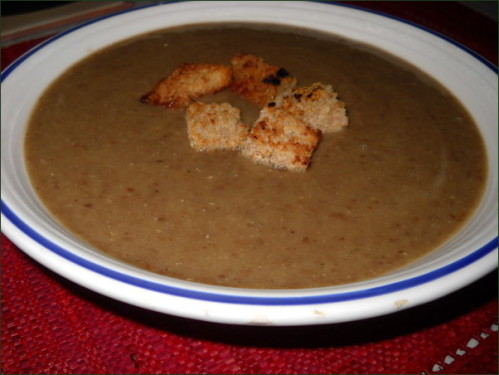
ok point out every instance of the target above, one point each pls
(245, 299)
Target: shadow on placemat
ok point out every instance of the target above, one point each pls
(330, 335)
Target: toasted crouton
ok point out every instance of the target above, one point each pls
(317, 105)
(282, 141)
(215, 126)
(257, 81)
(188, 83)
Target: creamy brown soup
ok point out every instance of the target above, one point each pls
(120, 174)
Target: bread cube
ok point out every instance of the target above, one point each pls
(215, 126)
(281, 141)
(187, 83)
(257, 81)
(317, 105)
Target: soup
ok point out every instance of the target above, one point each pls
(395, 184)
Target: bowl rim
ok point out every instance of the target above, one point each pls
(14, 226)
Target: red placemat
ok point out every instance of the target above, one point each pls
(51, 325)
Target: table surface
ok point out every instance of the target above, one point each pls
(51, 325)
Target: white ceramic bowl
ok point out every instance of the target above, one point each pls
(465, 258)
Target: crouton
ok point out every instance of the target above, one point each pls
(188, 83)
(316, 104)
(215, 126)
(282, 141)
(257, 81)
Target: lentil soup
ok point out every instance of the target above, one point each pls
(395, 184)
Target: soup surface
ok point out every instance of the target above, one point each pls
(120, 174)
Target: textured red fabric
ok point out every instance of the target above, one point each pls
(51, 325)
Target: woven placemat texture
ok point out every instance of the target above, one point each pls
(51, 325)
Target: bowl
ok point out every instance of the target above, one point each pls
(466, 257)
